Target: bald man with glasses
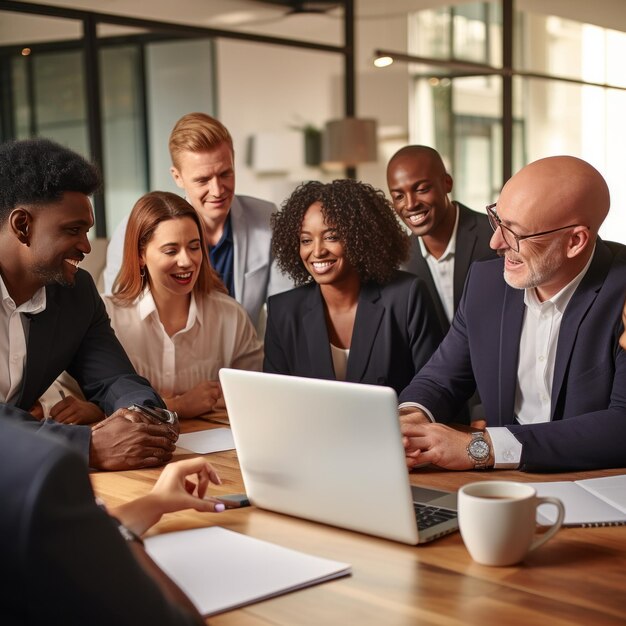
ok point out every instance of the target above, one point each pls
(537, 333)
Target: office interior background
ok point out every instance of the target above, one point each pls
(491, 85)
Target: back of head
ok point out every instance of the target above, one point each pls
(39, 171)
(149, 211)
(197, 132)
(559, 190)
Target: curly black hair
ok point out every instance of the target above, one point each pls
(374, 242)
(39, 171)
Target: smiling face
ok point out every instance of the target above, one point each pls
(321, 250)
(208, 179)
(57, 238)
(419, 188)
(172, 258)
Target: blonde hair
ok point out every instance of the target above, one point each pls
(149, 211)
(197, 132)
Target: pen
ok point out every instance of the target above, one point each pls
(62, 394)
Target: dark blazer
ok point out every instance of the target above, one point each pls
(63, 559)
(73, 333)
(395, 332)
(588, 408)
(472, 243)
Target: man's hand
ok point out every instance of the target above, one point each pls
(71, 410)
(127, 440)
(438, 444)
(197, 401)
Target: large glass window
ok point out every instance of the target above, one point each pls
(461, 116)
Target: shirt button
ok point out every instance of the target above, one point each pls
(544, 398)
(542, 358)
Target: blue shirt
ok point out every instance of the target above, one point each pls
(222, 257)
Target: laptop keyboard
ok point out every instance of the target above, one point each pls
(428, 515)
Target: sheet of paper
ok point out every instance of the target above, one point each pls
(220, 569)
(611, 489)
(205, 441)
(581, 506)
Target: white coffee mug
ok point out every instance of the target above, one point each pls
(498, 521)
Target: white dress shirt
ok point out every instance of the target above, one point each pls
(442, 269)
(14, 339)
(535, 369)
(218, 334)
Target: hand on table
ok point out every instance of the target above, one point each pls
(199, 400)
(128, 440)
(71, 410)
(441, 445)
(181, 485)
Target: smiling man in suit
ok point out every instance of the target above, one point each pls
(446, 236)
(51, 316)
(237, 227)
(537, 333)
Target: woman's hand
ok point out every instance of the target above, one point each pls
(181, 485)
(197, 401)
(71, 410)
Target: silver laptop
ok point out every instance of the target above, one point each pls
(330, 452)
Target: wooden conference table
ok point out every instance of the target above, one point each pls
(578, 577)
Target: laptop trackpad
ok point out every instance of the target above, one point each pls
(434, 497)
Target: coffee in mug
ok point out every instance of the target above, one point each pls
(498, 521)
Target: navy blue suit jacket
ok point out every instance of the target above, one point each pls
(472, 243)
(395, 333)
(74, 333)
(63, 559)
(588, 405)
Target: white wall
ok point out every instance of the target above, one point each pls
(268, 89)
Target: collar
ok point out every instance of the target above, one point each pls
(146, 307)
(451, 247)
(36, 304)
(227, 234)
(561, 299)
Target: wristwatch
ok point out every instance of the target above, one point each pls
(479, 450)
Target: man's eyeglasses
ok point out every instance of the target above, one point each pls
(511, 238)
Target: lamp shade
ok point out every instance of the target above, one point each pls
(349, 141)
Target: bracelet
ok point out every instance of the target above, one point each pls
(127, 533)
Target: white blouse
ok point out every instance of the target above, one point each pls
(218, 334)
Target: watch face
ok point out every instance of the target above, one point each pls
(479, 449)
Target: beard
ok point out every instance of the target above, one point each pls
(539, 268)
(51, 276)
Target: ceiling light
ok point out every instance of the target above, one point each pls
(383, 61)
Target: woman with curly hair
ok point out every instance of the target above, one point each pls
(354, 315)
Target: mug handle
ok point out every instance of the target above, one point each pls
(541, 539)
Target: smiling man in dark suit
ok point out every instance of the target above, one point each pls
(537, 333)
(446, 236)
(51, 316)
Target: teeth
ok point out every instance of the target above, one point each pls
(321, 264)
(183, 276)
(418, 218)
(73, 262)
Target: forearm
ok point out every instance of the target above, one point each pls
(140, 514)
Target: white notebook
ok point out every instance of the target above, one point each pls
(221, 570)
(591, 502)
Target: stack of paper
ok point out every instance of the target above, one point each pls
(220, 570)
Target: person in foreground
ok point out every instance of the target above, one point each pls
(537, 332)
(51, 316)
(65, 560)
(446, 236)
(355, 317)
(170, 311)
(237, 227)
